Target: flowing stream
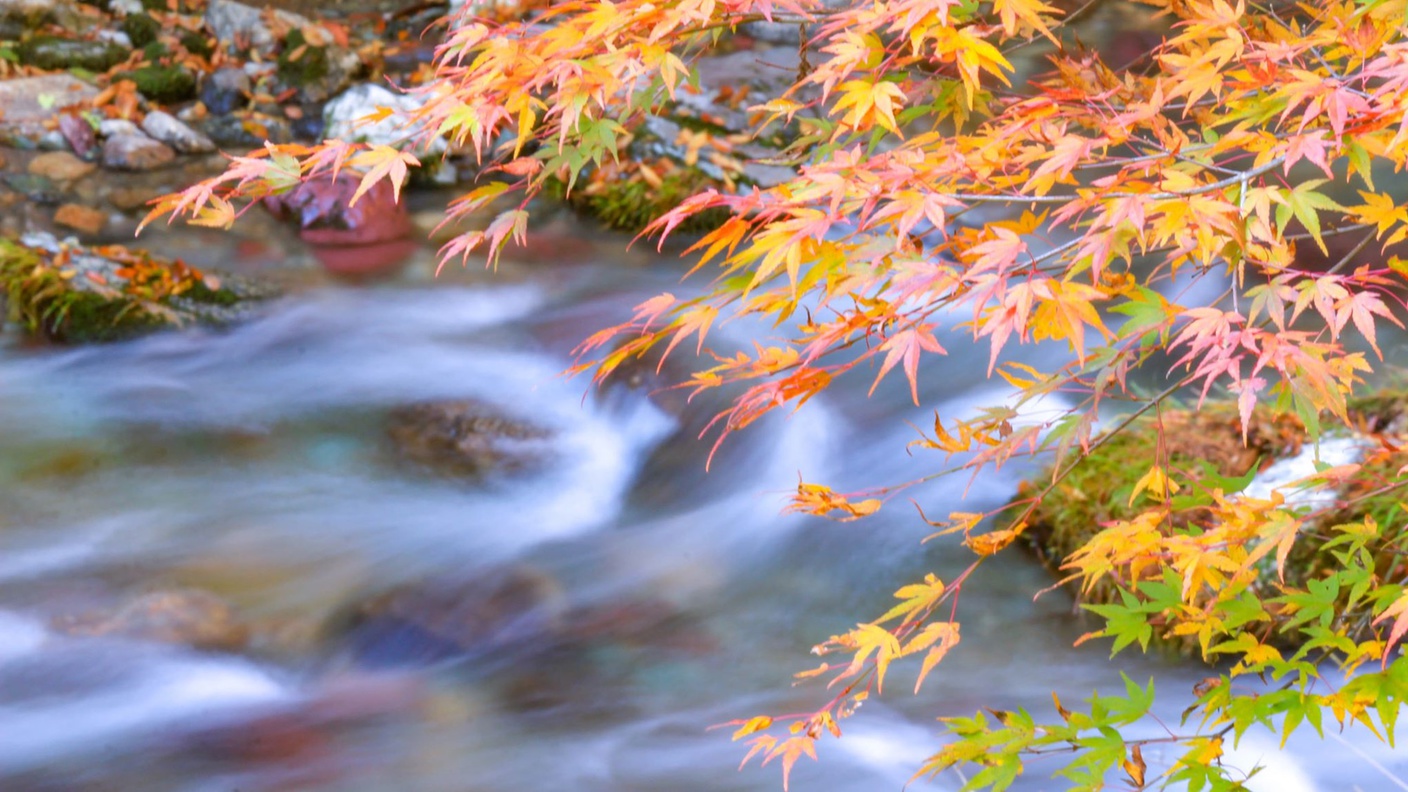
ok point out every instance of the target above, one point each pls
(252, 464)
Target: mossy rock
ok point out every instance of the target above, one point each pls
(626, 202)
(141, 29)
(53, 53)
(1206, 443)
(165, 84)
(300, 64)
(73, 295)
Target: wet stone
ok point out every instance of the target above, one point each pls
(465, 438)
(60, 166)
(135, 153)
(188, 617)
(225, 91)
(79, 134)
(167, 129)
(487, 616)
(83, 219)
(38, 189)
(112, 127)
(236, 131)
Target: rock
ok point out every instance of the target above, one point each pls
(111, 293)
(141, 29)
(488, 617)
(164, 84)
(83, 219)
(130, 198)
(135, 153)
(317, 73)
(187, 617)
(60, 166)
(53, 140)
(53, 53)
(29, 102)
(341, 115)
(249, 131)
(326, 216)
(32, 13)
(112, 127)
(235, 23)
(465, 438)
(79, 134)
(167, 129)
(226, 90)
(38, 189)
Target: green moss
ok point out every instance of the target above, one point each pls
(165, 84)
(141, 29)
(198, 44)
(630, 204)
(44, 300)
(54, 53)
(310, 66)
(1208, 442)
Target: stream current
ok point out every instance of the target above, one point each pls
(251, 463)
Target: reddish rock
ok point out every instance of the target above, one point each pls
(60, 166)
(83, 219)
(366, 261)
(321, 208)
(79, 134)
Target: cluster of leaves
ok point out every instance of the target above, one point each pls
(1229, 153)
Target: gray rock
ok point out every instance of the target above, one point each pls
(466, 438)
(226, 90)
(32, 13)
(231, 22)
(112, 127)
(135, 153)
(31, 101)
(53, 140)
(341, 115)
(238, 130)
(166, 128)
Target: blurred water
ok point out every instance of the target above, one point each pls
(253, 463)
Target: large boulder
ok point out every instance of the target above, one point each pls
(29, 102)
(324, 211)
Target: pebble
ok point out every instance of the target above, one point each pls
(168, 129)
(112, 127)
(83, 219)
(135, 153)
(60, 166)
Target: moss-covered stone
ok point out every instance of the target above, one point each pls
(1208, 442)
(55, 53)
(198, 44)
(76, 296)
(301, 64)
(141, 29)
(627, 202)
(165, 84)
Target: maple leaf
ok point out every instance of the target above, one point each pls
(383, 162)
(1398, 611)
(906, 345)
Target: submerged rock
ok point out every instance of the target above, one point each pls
(489, 616)
(60, 166)
(465, 438)
(187, 617)
(324, 210)
(70, 293)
